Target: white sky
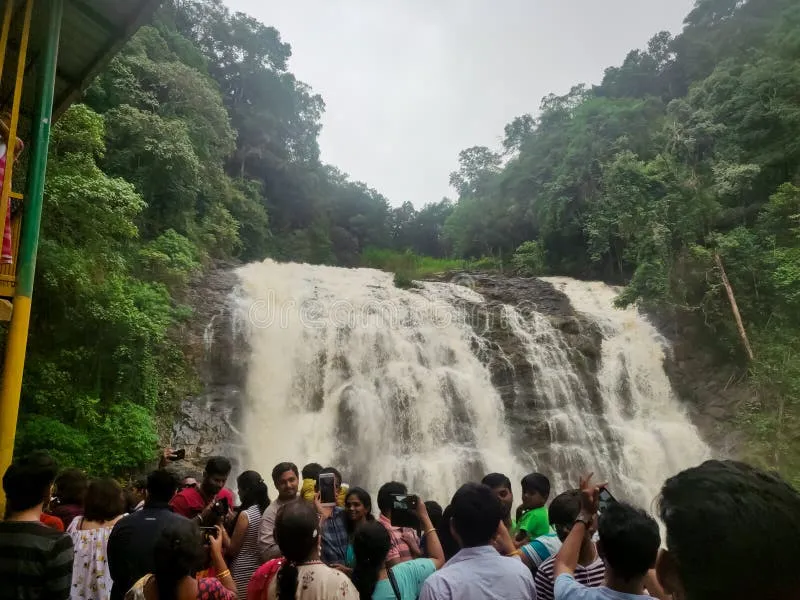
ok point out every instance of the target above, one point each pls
(408, 84)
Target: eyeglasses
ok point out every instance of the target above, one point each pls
(183, 486)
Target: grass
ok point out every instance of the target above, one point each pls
(408, 266)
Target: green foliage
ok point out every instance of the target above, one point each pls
(528, 260)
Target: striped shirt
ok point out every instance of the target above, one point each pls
(399, 550)
(592, 576)
(35, 562)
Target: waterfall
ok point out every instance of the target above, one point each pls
(346, 369)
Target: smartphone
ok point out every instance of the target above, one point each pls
(178, 455)
(606, 499)
(208, 533)
(221, 507)
(327, 489)
(404, 511)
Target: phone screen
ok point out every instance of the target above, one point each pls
(606, 499)
(208, 533)
(404, 511)
(327, 489)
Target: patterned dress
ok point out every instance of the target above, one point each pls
(91, 579)
(249, 558)
(208, 588)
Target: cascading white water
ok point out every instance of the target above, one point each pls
(346, 369)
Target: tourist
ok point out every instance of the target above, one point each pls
(561, 514)
(478, 571)
(178, 554)
(533, 520)
(501, 487)
(104, 505)
(310, 476)
(35, 560)
(405, 542)
(211, 501)
(243, 550)
(436, 514)
(404, 581)
(590, 570)
(338, 530)
(190, 481)
(135, 495)
(69, 490)
(133, 539)
(733, 533)
(449, 543)
(299, 574)
(628, 544)
(285, 477)
(335, 538)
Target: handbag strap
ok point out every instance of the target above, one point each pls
(395, 587)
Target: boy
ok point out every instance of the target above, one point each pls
(534, 521)
(310, 475)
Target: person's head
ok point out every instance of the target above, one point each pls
(371, 545)
(358, 507)
(337, 478)
(563, 511)
(434, 513)
(140, 487)
(733, 533)
(449, 543)
(216, 475)
(161, 487)
(178, 553)
(385, 496)
(252, 490)
(27, 481)
(629, 541)
(535, 490)
(476, 515)
(297, 533)
(285, 477)
(501, 487)
(104, 500)
(311, 471)
(70, 486)
(190, 481)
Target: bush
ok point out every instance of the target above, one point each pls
(528, 260)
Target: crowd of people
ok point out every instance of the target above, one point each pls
(732, 533)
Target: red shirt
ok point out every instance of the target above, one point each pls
(51, 521)
(189, 502)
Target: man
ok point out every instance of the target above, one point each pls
(478, 571)
(133, 539)
(35, 560)
(286, 478)
(628, 544)
(190, 481)
(405, 542)
(589, 570)
(139, 494)
(501, 488)
(533, 521)
(198, 502)
(335, 538)
(733, 533)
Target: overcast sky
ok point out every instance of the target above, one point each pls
(408, 84)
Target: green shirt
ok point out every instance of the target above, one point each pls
(535, 522)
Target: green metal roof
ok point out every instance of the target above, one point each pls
(92, 31)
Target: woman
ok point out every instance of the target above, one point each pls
(243, 550)
(103, 506)
(299, 575)
(339, 529)
(404, 581)
(69, 490)
(179, 553)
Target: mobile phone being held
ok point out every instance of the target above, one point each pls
(327, 489)
(404, 511)
(606, 499)
(208, 533)
(178, 455)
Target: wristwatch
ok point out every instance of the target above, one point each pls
(584, 518)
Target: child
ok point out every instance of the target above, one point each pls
(310, 475)
(533, 521)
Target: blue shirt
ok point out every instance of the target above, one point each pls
(334, 538)
(569, 589)
(480, 574)
(409, 577)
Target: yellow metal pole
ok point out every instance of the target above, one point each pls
(18, 333)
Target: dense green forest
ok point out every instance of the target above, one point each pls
(197, 143)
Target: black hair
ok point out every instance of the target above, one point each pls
(365, 499)
(311, 471)
(630, 540)
(140, 484)
(337, 477)
(496, 480)
(446, 539)
(218, 465)
(27, 481)
(371, 544)
(297, 534)
(385, 494)
(476, 514)
(161, 486)
(435, 513)
(281, 468)
(723, 515)
(536, 482)
(178, 552)
(252, 490)
(563, 511)
(70, 486)
(104, 500)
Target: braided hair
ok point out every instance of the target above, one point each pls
(371, 545)
(297, 534)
